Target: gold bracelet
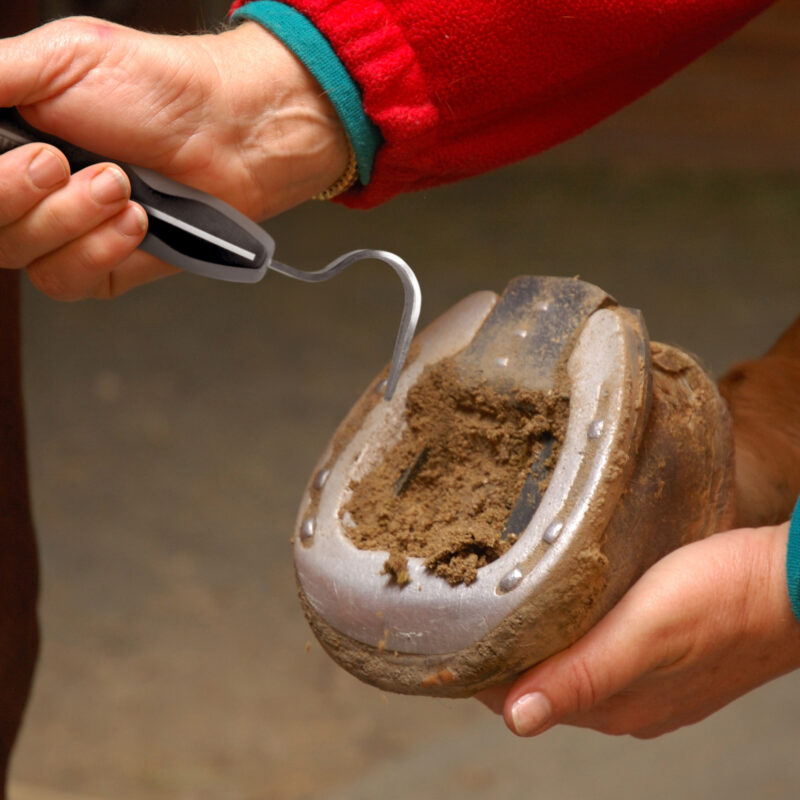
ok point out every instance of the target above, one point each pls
(345, 181)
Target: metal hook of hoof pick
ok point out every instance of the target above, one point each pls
(200, 233)
(411, 303)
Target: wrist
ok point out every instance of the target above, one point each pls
(761, 609)
(778, 601)
(283, 126)
(793, 561)
(302, 37)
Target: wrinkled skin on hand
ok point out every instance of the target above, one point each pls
(233, 114)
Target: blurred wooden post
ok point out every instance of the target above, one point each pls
(19, 570)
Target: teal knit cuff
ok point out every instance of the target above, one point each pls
(316, 53)
(793, 561)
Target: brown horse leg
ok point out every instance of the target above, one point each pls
(764, 398)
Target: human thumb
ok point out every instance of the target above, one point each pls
(46, 61)
(576, 680)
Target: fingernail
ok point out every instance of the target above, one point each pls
(531, 713)
(47, 169)
(132, 221)
(109, 186)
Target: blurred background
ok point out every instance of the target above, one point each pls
(172, 432)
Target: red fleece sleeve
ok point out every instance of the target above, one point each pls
(459, 87)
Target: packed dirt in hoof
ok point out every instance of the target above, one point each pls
(446, 491)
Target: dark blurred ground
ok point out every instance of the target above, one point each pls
(172, 432)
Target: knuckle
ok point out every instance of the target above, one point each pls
(52, 219)
(89, 272)
(16, 197)
(74, 45)
(50, 281)
(582, 685)
(77, 32)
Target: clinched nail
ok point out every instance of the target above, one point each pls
(531, 713)
(109, 186)
(47, 169)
